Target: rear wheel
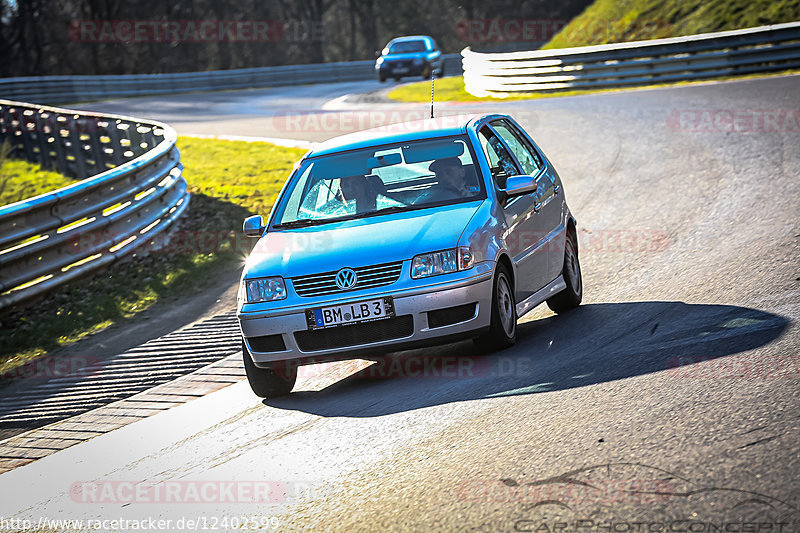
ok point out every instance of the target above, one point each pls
(570, 297)
(272, 382)
(503, 328)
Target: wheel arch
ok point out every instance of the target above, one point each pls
(572, 229)
(503, 259)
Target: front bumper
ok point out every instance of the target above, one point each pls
(390, 69)
(413, 304)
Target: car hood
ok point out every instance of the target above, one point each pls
(360, 242)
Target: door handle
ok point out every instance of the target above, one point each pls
(537, 206)
(556, 190)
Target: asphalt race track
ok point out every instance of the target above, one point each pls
(668, 402)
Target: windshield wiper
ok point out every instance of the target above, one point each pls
(392, 209)
(305, 222)
(301, 223)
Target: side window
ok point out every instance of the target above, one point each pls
(500, 161)
(525, 154)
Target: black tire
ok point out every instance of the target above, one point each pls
(269, 382)
(426, 72)
(503, 329)
(571, 297)
(381, 78)
(441, 70)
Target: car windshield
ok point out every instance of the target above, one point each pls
(384, 179)
(405, 47)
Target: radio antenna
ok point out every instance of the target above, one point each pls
(432, 93)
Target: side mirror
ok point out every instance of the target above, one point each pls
(253, 226)
(519, 185)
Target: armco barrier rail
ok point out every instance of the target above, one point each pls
(61, 89)
(131, 189)
(710, 55)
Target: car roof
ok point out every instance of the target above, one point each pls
(410, 38)
(428, 128)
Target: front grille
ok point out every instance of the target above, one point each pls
(451, 315)
(267, 343)
(368, 277)
(339, 337)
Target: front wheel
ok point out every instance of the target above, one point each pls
(426, 72)
(441, 71)
(503, 327)
(570, 297)
(381, 78)
(269, 382)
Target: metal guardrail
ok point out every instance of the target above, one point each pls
(131, 189)
(704, 56)
(61, 89)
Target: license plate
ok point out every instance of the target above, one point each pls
(354, 313)
(400, 70)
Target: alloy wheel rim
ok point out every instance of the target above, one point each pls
(505, 306)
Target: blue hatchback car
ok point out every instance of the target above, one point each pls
(404, 236)
(416, 55)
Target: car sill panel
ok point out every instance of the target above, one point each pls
(552, 288)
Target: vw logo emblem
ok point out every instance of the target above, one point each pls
(346, 278)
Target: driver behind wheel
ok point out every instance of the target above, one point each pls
(359, 191)
(451, 174)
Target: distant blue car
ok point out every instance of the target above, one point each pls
(416, 55)
(401, 237)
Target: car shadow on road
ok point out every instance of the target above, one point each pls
(595, 343)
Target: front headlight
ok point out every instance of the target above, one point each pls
(264, 289)
(379, 61)
(444, 262)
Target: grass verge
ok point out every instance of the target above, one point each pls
(614, 21)
(452, 89)
(20, 179)
(229, 180)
